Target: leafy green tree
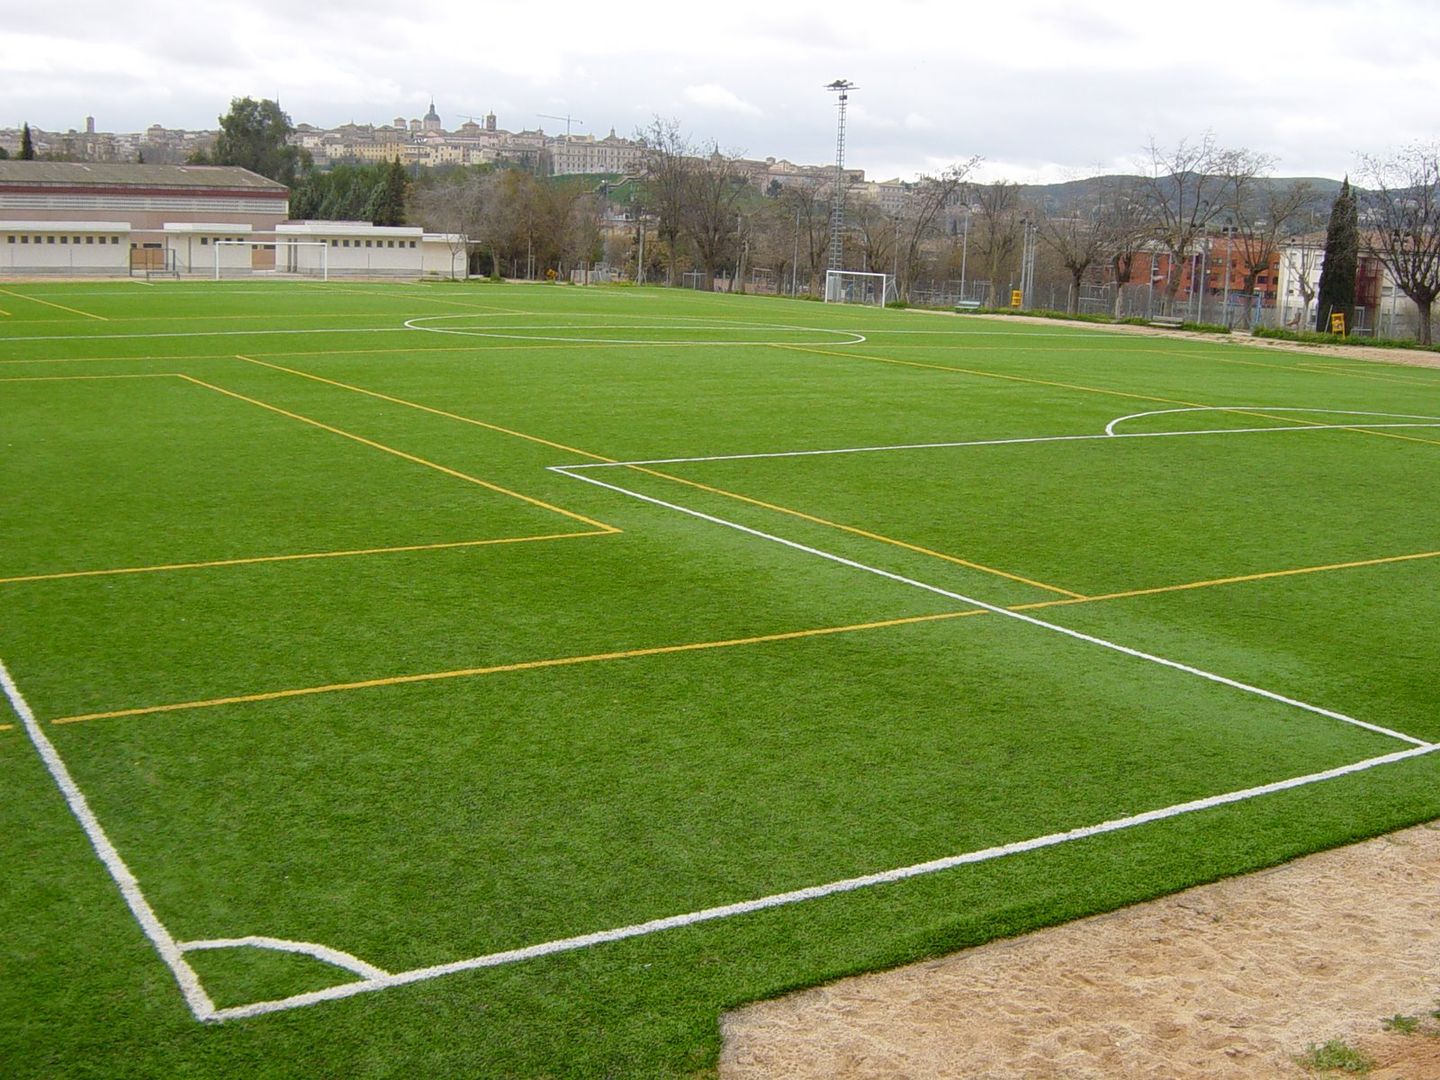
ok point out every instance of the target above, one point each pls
(4, 154)
(1342, 260)
(386, 205)
(253, 136)
(27, 144)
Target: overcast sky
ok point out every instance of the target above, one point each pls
(1041, 89)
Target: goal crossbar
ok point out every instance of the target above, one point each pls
(306, 257)
(859, 287)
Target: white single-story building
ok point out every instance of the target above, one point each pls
(65, 247)
(359, 249)
(199, 247)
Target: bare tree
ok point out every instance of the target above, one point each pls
(807, 202)
(712, 184)
(462, 209)
(995, 236)
(1183, 189)
(667, 152)
(1127, 231)
(876, 231)
(1074, 233)
(1403, 214)
(920, 216)
(1261, 215)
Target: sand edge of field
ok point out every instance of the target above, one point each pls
(1235, 979)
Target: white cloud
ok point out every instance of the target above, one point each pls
(713, 96)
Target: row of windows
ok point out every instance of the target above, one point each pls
(372, 243)
(23, 239)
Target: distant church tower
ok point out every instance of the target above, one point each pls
(432, 119)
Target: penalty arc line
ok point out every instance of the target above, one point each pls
(195, 996)
(998, 610)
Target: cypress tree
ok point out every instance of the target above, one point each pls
(1342, 261)
(27, 145)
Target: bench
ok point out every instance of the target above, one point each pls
(967, 305)
(1170, 322)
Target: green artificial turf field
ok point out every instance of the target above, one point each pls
(502, 680)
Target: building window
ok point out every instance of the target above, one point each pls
(334, 243)
(204, 240)
(49, 239)
(367, 243)
(412, 243)
(77, 239)
(390, 243)
(24, 239)
(345, 243)
(89, 239)
(10, 239)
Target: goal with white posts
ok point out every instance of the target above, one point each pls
(859, 287)
(294, 258)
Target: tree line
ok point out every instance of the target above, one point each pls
(697, 213)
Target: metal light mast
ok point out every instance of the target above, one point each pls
(837, 202)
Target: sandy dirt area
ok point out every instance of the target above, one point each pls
(1231, 980)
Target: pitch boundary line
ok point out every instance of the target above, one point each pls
(198, 1001)
(374, 978)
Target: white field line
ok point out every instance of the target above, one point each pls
(195, 996)
(208, 333)
(1005, 612)
(491, 332)
(1110, 427)
(306, 948)
(1014, 442)
(795, 896)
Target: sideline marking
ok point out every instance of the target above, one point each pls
(304, 555)
(51, 303)
(195, 996)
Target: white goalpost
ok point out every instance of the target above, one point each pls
(297, 258)
(859, 287)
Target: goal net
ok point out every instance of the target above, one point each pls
(283, 258)
(859, 287)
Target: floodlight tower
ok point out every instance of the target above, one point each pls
(842, 87)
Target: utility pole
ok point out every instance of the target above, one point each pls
(842, 87)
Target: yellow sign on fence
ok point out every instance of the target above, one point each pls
(1337, 323)
(1017, 298)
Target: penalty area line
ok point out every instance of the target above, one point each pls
(796, 896)
(998, 610)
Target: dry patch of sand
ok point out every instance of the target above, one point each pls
(1226, 981)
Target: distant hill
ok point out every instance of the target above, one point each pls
(1053, 197)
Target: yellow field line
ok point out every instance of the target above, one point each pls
(127, 359)
(292, 558)
(88, 378)
(524, 665)
(406, 456)
(1268, 574)
(1374, 376)
(989, 375)
(426, 408)
(856, 531)
(48, 303)
(4, 312)
(659, 650)
(7, 727)
(664, 476)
